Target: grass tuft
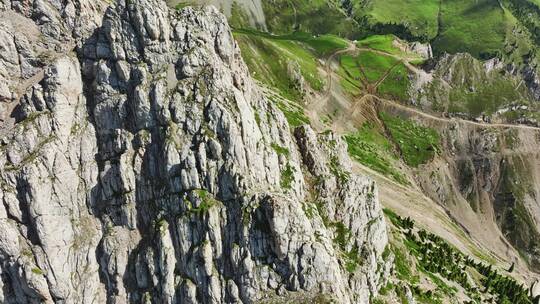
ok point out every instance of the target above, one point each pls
(287, 177)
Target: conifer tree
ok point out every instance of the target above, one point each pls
(511, 269)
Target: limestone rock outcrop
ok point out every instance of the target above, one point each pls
(146, 166)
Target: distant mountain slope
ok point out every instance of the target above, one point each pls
(250, 11)
(483, 28)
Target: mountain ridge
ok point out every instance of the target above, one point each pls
(148, 167)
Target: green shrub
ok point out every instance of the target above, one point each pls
(287, 177)
(280, 150)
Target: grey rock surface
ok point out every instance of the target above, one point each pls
(252, 9)
(33, 34)
(148, 167)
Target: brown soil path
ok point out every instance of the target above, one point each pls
(371, 90)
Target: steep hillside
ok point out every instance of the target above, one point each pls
(430, 270)
(414, 159)
(484, 29)
(285, 16)
(482, 175)
(240, 12)
(487, 174)
(462, 86)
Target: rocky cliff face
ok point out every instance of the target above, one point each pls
(147, 167)
(495, 171)
(251, 9)
(487, 179)
(461, 86)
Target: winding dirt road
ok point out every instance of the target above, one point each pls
(352, 48)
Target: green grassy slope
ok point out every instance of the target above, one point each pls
(477, 27)
(276, 60)
(384, 43)
(498, 29)
(397, 140)
(418, 17)
(369, 68)
(371, 148)
(528, 14)
(314, 16)
(468, 88)
(270, 57)
(483, 28)
(417, 144)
